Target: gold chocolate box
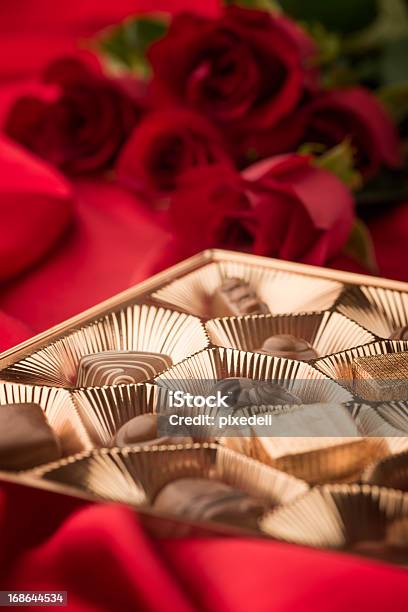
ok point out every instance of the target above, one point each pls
(348, 320)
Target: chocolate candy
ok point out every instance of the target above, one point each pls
(235, 297)
(248, 392)
(143, 430)
(401, 333)
(26, 438)
(391, 545)
(203, 499)
(120, 368)
(381, 377)
(288, 346)
(316, 442)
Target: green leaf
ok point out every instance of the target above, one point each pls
(263, 5)
(360, 246)
(125, 46)
(335, 15)
(339, 160)
(395, 99)
(328, 43)
(394, 65)
(390, 25)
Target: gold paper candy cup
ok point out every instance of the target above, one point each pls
(379, 310)
(391, 472)
(135, 475)
(282, 291)
(377, 419)
(104, 410)
(327, 332)
(198, 373)
(395, 413)
(337, 516)
(59, 409)
(135, 328)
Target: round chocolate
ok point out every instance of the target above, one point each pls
(204, 499)
(143, 430)
(288, 346)
(401, 333)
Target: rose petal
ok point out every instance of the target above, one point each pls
(35, 207)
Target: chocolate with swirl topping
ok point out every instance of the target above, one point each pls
(120, 368)
(235, 297)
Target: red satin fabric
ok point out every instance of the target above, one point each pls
(99, 553)
(103, 558)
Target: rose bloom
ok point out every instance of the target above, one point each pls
(244, 70)
(163, 146)
(356, 114)
(81, 121)
(281, 207)
(328, 118)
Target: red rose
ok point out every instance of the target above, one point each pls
(282, 207)
(328, 118)
(245, 70)
(284, 137)
(166, 144)
(35, 208)
(356, 114)
(80, 123)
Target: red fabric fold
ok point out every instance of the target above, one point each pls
(103, 558)
(35, 208)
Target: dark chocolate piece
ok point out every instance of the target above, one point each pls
(120, 368)
(391, 544)
(143, 430)
(401, 333)
(288, 346)
(249, 392)
(26, 438)
(235, 297)
(203, 499)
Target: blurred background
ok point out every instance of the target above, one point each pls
(93, 235)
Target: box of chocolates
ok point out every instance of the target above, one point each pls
(229, 394)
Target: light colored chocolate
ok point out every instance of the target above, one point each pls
(382, 377)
